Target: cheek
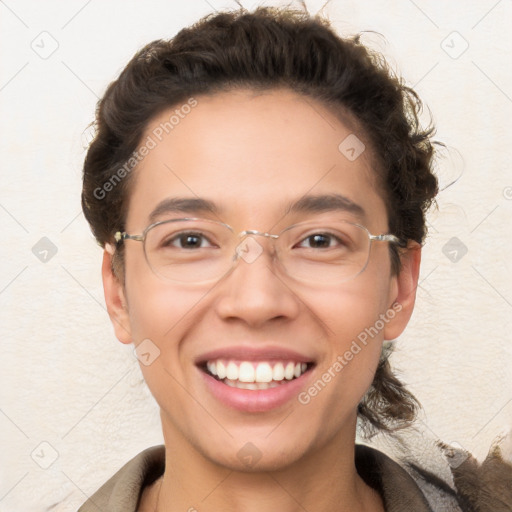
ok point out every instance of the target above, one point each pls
(352, 350)
(351, 308)
(158, 310)
(154, 305)
(160, 317)
(354, 319)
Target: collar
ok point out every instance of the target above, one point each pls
(122, 492)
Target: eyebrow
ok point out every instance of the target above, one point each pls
(326, 203)
(306, 204)
(183, 205)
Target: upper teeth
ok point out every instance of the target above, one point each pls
(249, 371)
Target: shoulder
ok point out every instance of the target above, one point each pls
(399, 489)
(407, 481)
(122, 492)
(450, 478)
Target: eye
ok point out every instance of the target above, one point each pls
(186, 240)
(320, 241)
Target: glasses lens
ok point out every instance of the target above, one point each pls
(196, 250)
(331, 250)
(189, 250)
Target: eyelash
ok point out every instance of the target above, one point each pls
(184, 234)
(178, 237)
(330, 236)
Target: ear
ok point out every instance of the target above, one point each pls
(115, 299)
(403, 295)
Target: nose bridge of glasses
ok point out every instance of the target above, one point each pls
(254, 232)
(249, 248)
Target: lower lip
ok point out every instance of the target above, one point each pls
(258, 400)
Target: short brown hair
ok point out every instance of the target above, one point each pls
(267, 49)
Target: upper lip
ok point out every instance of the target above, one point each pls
(245, 353)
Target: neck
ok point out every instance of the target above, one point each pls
(324, 481)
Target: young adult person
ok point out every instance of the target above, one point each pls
(259, 185)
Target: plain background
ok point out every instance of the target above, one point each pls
(73, 406)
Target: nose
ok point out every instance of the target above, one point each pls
(255, 291)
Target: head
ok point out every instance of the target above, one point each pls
(250, 111)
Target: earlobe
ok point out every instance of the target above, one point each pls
(115, 299)
(404, 291)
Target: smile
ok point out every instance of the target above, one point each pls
(255, 379)
(255, 375)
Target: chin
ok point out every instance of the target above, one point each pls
(251, 459)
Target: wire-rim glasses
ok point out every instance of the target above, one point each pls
(194, 250)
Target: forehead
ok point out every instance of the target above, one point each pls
(253, 154)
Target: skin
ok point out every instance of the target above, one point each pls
(252, 154)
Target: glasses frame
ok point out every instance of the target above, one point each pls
(121, 236)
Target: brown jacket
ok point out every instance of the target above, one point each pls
(122, 492)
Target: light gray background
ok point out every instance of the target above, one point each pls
(72, 398)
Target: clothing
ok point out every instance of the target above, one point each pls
(122, 492)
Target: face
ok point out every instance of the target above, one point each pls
(253, 156)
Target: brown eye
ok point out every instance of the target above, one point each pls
(186, 241)
(319, 241)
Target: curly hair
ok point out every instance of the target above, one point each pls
(272, 48)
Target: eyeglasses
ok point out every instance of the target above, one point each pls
(192, 250)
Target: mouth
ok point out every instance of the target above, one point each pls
(255, 379)
(255, 375)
